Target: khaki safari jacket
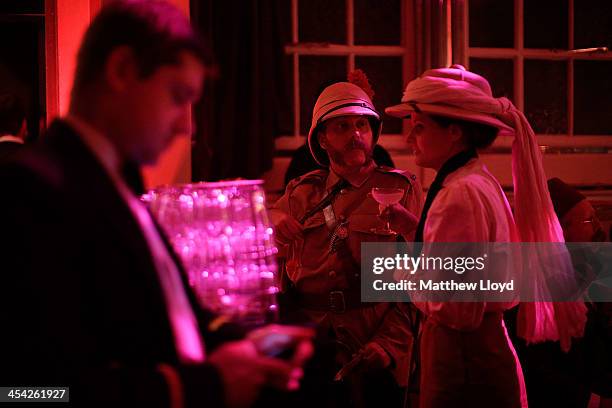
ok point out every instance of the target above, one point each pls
(313, 268)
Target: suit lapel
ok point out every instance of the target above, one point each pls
(88, 178)
(108, 204)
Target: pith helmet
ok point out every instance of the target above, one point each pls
(340, 99)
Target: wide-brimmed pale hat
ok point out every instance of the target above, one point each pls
(460, 80)
(340, 99)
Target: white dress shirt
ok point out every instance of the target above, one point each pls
(189, 345)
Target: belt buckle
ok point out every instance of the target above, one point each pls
(336, 301)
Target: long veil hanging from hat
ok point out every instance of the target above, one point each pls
(537, 222)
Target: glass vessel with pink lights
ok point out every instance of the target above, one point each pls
(223, 235)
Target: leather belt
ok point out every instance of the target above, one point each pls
(335, 301)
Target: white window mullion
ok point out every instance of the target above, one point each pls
(448, 28)
(570, 71)
(350, 33)
(519, 69)
(494, 53)
(466, 35)
(342, 49)
(408, 59)
(350, 23)
(296, 70)
(296, 95)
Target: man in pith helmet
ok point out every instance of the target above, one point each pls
(321, 221)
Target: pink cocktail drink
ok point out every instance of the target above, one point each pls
(387, 196)
(384, 197)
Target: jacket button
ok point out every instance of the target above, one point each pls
(332, 274)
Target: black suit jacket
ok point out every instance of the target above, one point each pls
(81, 304)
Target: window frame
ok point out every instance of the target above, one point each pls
(295, 49)
(519, 54)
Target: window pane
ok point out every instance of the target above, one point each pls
(322, 21)
(546, 24)
(315, 74)
(377, 25)
(385, 75)
(546, 96)
(22, 66)
(592, 97)
(285, 98)
(593, 22)
(22, 6)
(492, 23)
(499, 73)
(282, 80)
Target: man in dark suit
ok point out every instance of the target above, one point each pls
(91, 295)
(13, 129)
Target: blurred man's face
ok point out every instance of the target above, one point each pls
(157, 108)
(348, 141)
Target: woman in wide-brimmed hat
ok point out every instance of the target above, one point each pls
(466, 356)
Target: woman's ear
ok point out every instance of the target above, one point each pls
(456, 133)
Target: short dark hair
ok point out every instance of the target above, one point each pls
(156, 31)
(12, 114)
(476, 135)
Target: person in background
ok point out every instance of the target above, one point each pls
(466, 357)
(92, 296)
(321, 221)
(555, 378)
(13, 126)
(577, 216)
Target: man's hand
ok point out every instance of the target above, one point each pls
(275, 339)
(245, 371)
(371, 357)
(286, 228)
(400, 219)
(374, 356)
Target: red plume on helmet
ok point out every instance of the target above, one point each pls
(359, 78)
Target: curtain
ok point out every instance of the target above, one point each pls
(237, 119)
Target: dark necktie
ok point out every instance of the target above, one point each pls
(133, 178)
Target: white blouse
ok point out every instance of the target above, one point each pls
(470, 207)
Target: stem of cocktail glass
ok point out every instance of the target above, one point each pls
(387, 225)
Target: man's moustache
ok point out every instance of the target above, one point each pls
(356, 145)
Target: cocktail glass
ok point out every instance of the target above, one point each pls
(385, 197)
